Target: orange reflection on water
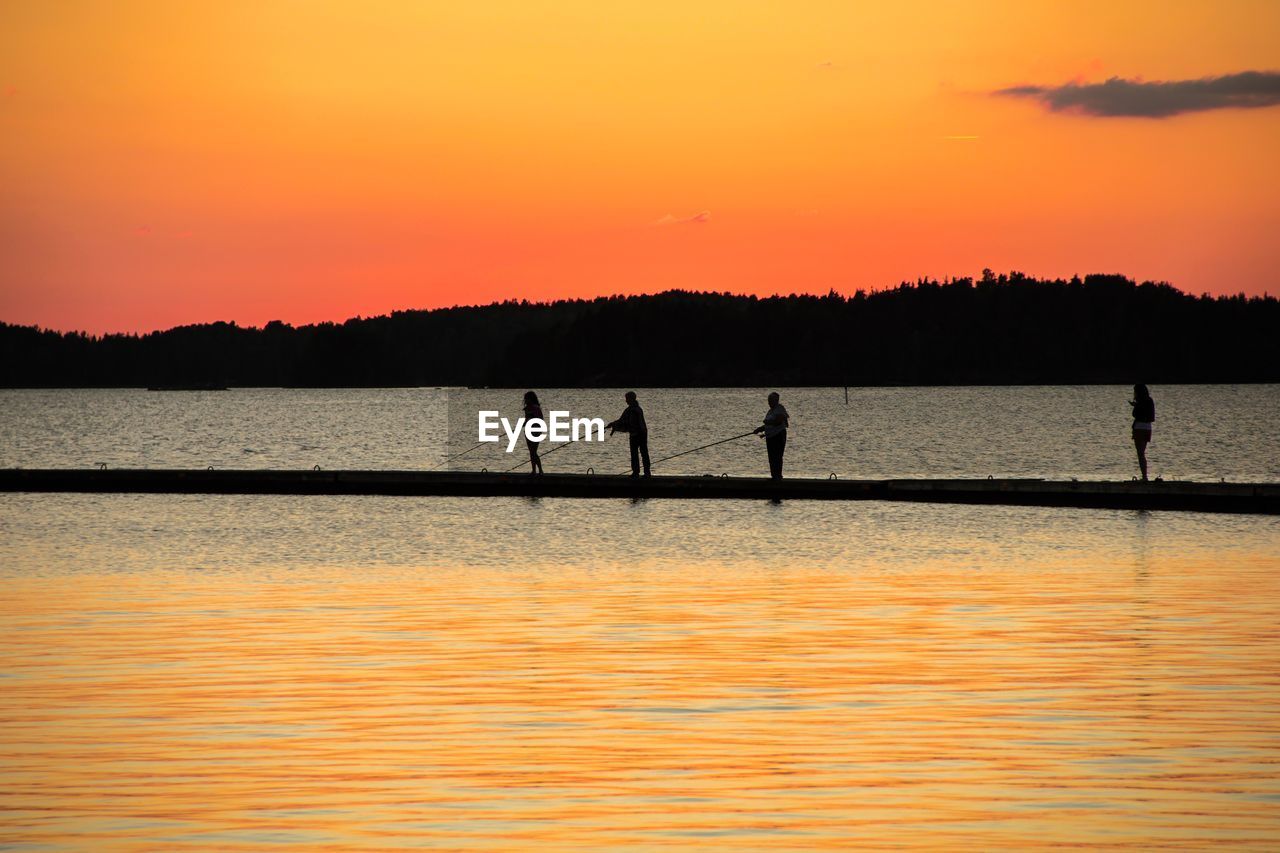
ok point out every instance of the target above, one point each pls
(762, 707)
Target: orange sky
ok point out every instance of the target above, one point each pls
(167, 163)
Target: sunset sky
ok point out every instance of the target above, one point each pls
(167, 163)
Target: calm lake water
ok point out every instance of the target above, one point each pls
(331, 673)
(1203, 432)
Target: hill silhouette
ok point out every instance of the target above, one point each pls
(1005, 329)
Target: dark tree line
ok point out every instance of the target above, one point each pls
(996, 330)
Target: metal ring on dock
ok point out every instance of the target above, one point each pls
(590, 469)
(102, 466)
(315, 467)
(833, 476)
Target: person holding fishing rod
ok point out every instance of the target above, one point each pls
(1144, 415)
(632, 422)
(532, 409)
(774, 428)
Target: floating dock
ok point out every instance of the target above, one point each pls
(1255, 498)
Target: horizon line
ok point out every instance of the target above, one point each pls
(1024, 278)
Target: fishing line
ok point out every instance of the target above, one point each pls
(449, 459)
(703, 447)
(541, 456)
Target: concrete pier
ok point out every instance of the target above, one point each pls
(1257, 498)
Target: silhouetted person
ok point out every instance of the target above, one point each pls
(532, 409)
(632, 423)
(1144, 416)
(774, 428)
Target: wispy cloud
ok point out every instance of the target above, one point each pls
(696, 219)
(1158, 99)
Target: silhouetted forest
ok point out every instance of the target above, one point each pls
(996, 330)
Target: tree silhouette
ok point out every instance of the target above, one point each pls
(1001, 329)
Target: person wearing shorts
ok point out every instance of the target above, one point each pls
(1144, 416)
(533, 409)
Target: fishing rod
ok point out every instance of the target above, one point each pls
(541, 456)
(703, 447)
(449, 459)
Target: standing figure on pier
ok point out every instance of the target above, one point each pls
(774, 428)
(533, 409)
(1144, 415)
(632, 422)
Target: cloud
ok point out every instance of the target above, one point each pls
(696, 219)
(1159, 99)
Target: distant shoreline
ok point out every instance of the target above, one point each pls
(1005, 330)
